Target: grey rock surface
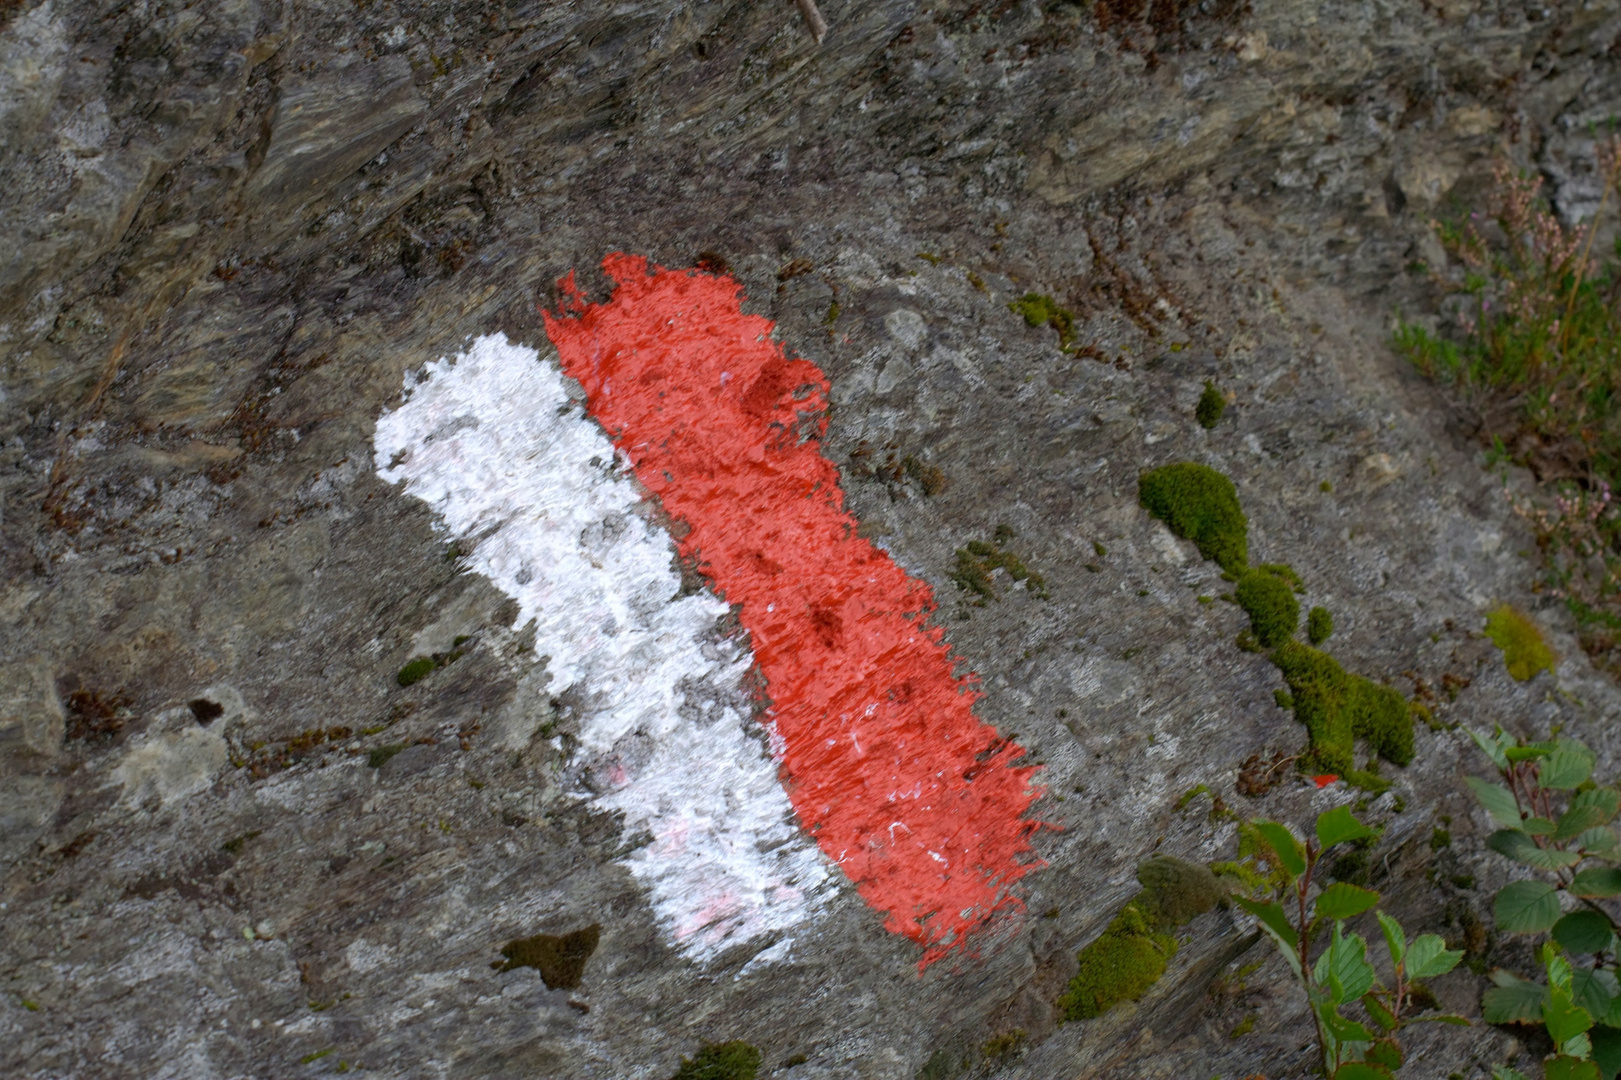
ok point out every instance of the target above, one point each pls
(229, 229)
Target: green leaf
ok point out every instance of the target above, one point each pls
(1596, 881)
(1538, 826)
(1522, 849)
(1386, 1052)
(1272, 919)
(1568, 766)
(1381, 1015)
(1577, 820)
(1343, 901)
(1493, 746)
(1595, 990)
(1338, 825)
(1512, 1001)
(1344, 967)
(1606, 1050)
(1559, 969)
(1395, 937)
(1429, 956)
(1343, 1029)
(1362, 1070)
(1526, 907)
(1498, 801)
(1283, 842)
(1605, 799)
(1442, 1018)
(1503, 1072)
(1601, 841)
(1578, 1046)
(1583, 931)
(1564, 1018)
(1565, 1067)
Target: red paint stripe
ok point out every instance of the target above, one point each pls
(887, 766)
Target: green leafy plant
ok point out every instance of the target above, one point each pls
(1555, 821)
(1342, 976)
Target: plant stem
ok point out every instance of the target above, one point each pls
(1587, 249)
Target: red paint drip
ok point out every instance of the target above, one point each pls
(917, 800)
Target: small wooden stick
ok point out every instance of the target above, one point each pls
(813, 19)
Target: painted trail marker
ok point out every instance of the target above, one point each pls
(876, 749)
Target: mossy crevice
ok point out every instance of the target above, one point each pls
(420, 667)
(735, 1060)
(1524, 651)
(1131, 954)
(1200, 504)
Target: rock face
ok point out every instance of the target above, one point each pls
(236, 844)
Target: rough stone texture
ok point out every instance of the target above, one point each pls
(230, 228)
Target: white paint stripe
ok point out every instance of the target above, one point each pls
(493, 444)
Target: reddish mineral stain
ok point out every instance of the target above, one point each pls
(920, 803)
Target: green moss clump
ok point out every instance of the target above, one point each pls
(1319, 625)
(1131, 953)
(1273, 610)
(1200, 504)
(1211, 406)
(1338, 708)
(418, 669)
(1042, 310)
(560, 958)
(1176, 891)
(1524, 651)
(734, 1060)
(1286, 572)
(1120, 965)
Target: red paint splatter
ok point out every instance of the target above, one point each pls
(1325, 779)
(919, 802)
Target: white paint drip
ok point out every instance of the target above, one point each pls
(493, 444)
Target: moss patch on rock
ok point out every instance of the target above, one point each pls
(1319, 625)
(1200, 504)
(735, 1060)
(1131, 954)
(1211, 406)
(977, 562)
(1270, 601)
(560, 958)
(1524, 651)
(1338, 708)
(1039, 309)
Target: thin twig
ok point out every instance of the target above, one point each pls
(813, 19)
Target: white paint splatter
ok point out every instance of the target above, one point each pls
(493, 444)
